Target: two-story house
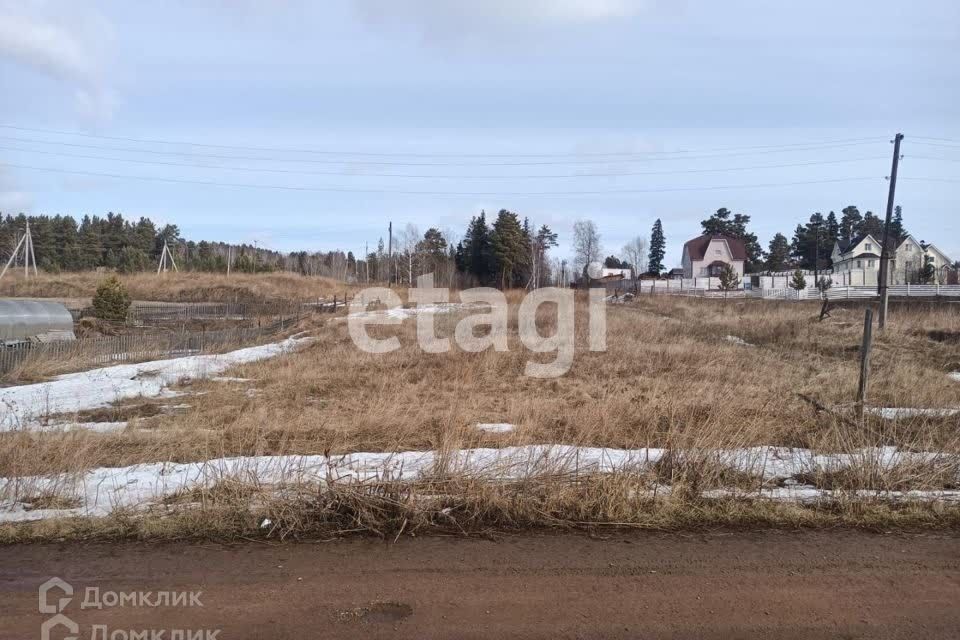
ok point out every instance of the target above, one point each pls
(706, 255)
(857, 261)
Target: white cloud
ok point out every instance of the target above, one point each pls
(451, 17)
(50, 38)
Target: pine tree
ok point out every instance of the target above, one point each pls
(509, 246)
(778, 256)
(111, 301)
(851, 223)
(720, 223)
(798, 282)
(728, 279)
(897, 231)
(658, 249)
(478, 254)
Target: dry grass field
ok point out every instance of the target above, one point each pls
(691, 376)
(176, 286)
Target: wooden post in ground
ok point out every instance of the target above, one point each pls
(865, 362)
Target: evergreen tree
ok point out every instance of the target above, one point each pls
(798, 281)
(658, 249)
(728, 279)
(851, 223)
(509, 243)
(720, 223)
(897, 231)
(872, 225)
(778, 256)
(478, 253)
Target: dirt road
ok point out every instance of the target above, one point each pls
(742, 585)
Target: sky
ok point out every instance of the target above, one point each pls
(311, 125)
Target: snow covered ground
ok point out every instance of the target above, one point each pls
(495, 427)
(23, 407)
(99, 491)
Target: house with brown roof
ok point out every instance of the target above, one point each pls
(706, 256)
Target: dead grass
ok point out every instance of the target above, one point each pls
(669, 379)
(78, 288)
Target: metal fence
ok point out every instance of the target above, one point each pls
(137, 347)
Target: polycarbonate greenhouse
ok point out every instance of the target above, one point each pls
(34, 320)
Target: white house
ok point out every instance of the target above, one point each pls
(857, 262)
(706, 256)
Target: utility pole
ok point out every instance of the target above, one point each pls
(29, 257)
(885, 249)
(229, 258)
(390, 253)
(366, 260)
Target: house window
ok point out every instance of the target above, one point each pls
(870, 264)
(869, 246)
(909, 247)
(859, 264)
(717, 251)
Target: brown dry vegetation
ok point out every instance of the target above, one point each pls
(669, 378)
(78, 288)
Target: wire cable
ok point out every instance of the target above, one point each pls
(339, 189)
(420, 155)
(421, 164)
(443, 177)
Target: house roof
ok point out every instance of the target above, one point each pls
(849, 245)
(697, 248)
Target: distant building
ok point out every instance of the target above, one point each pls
(706, 256)
(676, 273)
(616, 274)
(857, 261)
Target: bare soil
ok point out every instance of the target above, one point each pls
(839, 584)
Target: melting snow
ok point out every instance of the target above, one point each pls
(495, 427)
(954, 376)
(893, 413)
(100, 491)
(738, 340)
(24, 406)
(97, 427)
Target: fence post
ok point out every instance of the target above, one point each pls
(865, 362)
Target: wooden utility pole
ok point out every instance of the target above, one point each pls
(390, 253)
(166, 256)
(229, 258)
(29, 258)
(865, 362)
(885, 249)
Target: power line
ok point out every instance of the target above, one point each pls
(913, 137)
(430, 193)
(932, 180)
(447, 176)
(913, 157)
(419, 155)
(426, 164)
(937, 144)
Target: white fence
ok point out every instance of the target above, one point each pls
(683, 287)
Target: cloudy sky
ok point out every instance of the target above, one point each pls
(319, 122)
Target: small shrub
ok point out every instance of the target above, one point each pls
(111, 302)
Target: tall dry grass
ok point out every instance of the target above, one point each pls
(670, 378)
(78, 288)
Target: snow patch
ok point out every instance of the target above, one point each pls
(96, 427)
(955, 375)
(738, 341)
(24, 406)
(894, 413)
(495, 427)
(100, 491)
